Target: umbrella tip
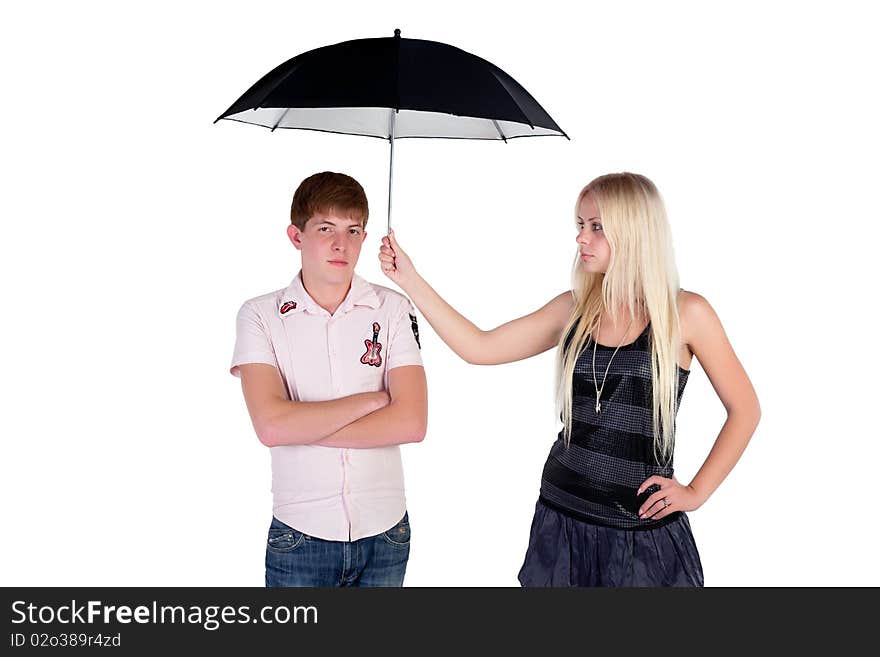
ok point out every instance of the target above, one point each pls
(397, 33)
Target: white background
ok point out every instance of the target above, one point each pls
(133, 228)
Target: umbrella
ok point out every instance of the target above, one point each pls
(393, 88)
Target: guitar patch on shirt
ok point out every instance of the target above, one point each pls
(415, 329)
(373, 355)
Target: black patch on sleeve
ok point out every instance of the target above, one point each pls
(415, 329)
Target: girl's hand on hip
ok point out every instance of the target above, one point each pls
(671, 497)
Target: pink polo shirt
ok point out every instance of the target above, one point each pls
(328, 492)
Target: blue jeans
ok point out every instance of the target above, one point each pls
(297, 559)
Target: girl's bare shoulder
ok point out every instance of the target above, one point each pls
(695, 315)
(561, 306)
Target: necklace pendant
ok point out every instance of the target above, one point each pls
(598, 407)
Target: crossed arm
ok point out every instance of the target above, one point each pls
(369, 419)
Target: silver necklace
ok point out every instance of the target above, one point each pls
(595, 383)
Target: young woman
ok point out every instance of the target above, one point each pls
(610, 511)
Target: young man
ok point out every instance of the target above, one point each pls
(333, 380)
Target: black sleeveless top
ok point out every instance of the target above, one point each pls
(596, 477)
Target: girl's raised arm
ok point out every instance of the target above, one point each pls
(520, 338)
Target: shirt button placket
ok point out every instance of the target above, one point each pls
(335, 384)
(332, 332)
(346, 501)
(331, 355)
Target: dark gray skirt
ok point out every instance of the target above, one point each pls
(564, 551)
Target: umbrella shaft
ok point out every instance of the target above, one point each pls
(391, 167)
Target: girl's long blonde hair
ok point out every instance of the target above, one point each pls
(641, 280)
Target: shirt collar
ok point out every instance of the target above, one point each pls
(295, 299)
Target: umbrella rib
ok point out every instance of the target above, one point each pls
(498, 128)
(278, 83)
(503, 86)
(280, 119)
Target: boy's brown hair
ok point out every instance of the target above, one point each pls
(327, 192)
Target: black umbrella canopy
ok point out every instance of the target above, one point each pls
(394, 88)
